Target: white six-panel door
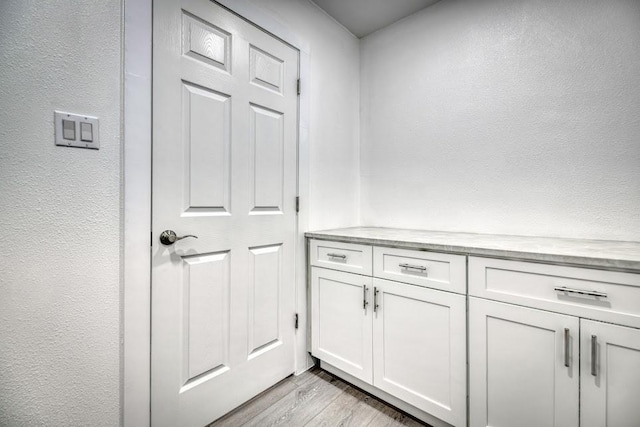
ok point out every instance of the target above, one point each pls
(224, 169)
(523, 366)
(609, 375)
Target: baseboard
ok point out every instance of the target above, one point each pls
(308, 368)
(400, 404)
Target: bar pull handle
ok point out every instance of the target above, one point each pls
(567, 347)
(375, 299)
(341, 256)
(594, 355)
(365, 303)
(406, 266)
(580, 292)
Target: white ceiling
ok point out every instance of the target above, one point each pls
(363, 17)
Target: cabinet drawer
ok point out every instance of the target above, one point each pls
(602, 295)
(429, 269)
(341, 256)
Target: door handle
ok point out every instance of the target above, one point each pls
(375, 299)
(594, 355)
(567, 347)
(364, 297)
(169, 237)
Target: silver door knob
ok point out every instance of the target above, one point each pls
(169, 237)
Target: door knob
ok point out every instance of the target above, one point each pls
(169, 237)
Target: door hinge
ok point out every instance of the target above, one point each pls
(297, 204)
(298, 86)
(296, 321)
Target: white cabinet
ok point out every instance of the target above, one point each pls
(419, 348)
(542, 344)
(610, 375)
(523, 366)
(407, 340)
(341, 321)
(523, 369)
(523, 362)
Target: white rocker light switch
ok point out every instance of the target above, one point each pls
(69, 129)
(86, 132)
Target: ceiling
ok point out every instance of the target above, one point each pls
(363, 17)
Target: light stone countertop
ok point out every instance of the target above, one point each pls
(588, 253)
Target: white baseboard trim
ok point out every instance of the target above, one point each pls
(308, 368)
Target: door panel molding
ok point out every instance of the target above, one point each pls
(136, 258)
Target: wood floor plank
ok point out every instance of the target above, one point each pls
(390, 417)
(301, 405)
(352, 408)
(255, 406)
(315, 399)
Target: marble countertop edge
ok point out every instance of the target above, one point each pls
(618, 255)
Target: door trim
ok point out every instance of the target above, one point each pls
(135, 320)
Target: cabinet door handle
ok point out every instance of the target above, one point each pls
(375, 299)
(341, 256)
(364, 298)
(567, 347)
(406, 266)
(594, 355)
(580, 292)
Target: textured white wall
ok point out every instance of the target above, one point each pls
(334, 134)
(60, 207)
(505, 116)
(59, 215)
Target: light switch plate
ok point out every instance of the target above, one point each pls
(82, 138)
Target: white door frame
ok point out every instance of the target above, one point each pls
(135, 383)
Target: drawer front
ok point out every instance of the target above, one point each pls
(430, 269)
(348, 257)
(597, 294)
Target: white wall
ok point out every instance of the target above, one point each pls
(60, 207)
(59, 215)
(505, 116)
(334, 111)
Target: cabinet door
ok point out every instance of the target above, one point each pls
(341, 321)
(523, 366)
(419, 348)
(610, 375)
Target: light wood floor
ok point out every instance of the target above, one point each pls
(315, 398)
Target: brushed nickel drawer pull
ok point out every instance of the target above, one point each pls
(581, 292)
(364, 297)
(594, 355)
(412, 267)
(341, 256)
(567, 347)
